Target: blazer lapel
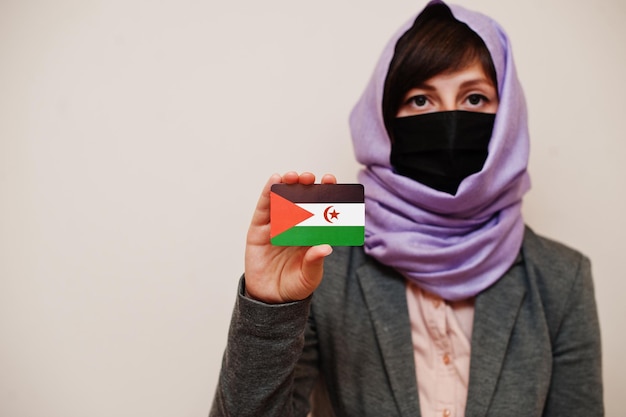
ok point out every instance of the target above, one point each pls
(385, 296)
(496, 310)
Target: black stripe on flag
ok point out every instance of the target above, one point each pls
(321, 193)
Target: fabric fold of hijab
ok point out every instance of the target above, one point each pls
(454, 246)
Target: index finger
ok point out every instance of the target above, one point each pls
(262, 212)
(329, 179)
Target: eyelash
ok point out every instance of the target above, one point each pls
(480, 97)
(421, 100)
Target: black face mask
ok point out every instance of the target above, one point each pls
(441, 149)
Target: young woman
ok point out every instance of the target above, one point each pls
(453, 307)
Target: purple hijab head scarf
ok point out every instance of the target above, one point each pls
(454, 246)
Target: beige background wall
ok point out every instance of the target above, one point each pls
(135, 137)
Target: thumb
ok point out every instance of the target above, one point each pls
(313, 264)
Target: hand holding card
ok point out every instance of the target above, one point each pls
(279, 274)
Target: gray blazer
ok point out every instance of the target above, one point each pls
(347, 350)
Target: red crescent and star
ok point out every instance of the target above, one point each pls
(333, 215)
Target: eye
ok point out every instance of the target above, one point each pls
(476, 99)
(419, 100)
(416, 101)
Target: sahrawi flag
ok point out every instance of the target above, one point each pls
(307, 215)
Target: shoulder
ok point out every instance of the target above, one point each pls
(340, 270)
(560, 275)
(545, 258)
(350, 275)
(345, 260)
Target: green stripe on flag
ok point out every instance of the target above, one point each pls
(317, 235)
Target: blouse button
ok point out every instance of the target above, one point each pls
(447, 413)
(446, 360)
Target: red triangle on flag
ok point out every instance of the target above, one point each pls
(284, 214)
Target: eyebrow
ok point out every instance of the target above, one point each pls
(465, 84)
(477, 82)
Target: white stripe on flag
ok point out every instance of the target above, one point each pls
(347, 214)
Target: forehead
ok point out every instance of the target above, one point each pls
(472, 73)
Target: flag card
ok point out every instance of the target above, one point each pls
(307, 215)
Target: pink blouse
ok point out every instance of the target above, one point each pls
(441, 333)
